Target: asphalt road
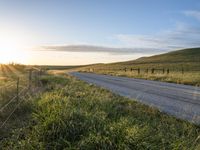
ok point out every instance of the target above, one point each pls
(182, 101)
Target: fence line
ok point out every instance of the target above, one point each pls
(145, 70)
(12, 99)
(7, 86)
(31, 86)
(11, 114)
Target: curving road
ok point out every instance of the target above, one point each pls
(182, 101)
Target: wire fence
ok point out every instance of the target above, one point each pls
(138, 71)
(16, 92)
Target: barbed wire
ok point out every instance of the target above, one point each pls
(27, 89)
(12, 99)
(10, 114)
(9, 85)
(27, 93)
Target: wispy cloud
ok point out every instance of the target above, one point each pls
(181, 37)
(193, 13)
(98, 49)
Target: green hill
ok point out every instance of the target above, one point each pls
(185, 55)
(175, 60)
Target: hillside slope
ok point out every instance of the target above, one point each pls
(185, 55)
(182, 66)
(186, 58)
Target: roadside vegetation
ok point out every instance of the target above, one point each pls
(15, 94)
(188, 78)
(72, 114)
(183, 66)
(9, 74)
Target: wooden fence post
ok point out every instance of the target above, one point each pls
(167, 71)
(30, 79)
(38, 78)
(125, 69)
(152, 70)
(163, 70)
(138, 70)
(17, 89)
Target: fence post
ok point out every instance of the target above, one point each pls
(30, 78)
(138, 70)
(152, 70)
(131, 69)
(125, 69)
(167, 71)
(163, 70)
(38, 78)
(17, 89)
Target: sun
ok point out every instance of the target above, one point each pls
(12, 46)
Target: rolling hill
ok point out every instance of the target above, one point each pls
(186, 58)
(185, 55)
(182, 66)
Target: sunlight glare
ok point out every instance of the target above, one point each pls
(12, 47)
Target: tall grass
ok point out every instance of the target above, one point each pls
(74, 115)
(188, 78)
(9, 74)
(10, 119)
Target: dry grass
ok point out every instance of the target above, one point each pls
(188, 78)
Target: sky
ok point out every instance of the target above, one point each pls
(74, 32)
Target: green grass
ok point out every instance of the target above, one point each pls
(72, 114)
(188, 59)
(19, 119)
(185, 55)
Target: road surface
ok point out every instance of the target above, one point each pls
(182, 101)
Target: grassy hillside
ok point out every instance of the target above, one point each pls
(185, 55)
(187, 58)
(183, 66)
(72, 114)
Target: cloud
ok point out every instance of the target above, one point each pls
(193, 13)
(99, 49)
(181, 37)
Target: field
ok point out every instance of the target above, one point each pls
(181, 67)
(71, 114)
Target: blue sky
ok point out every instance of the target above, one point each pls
(146, 27)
